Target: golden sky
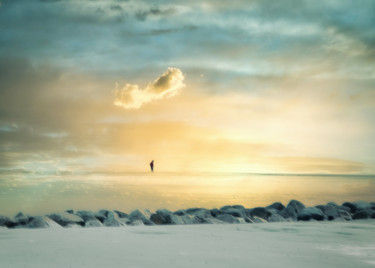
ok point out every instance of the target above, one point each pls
(246, 86)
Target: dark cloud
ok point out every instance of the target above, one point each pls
(156, 12)
(171, 30)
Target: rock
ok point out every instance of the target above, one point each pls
(372, 205)
(310, 213)
(347, 209)
(259, 220)
(361, 205)
(241, 208)
(70, 211)
(297, 205)
(236, 212)
(122, 214)
(100, 216)
(288, 213)
(194, 210)
(227, 218)
(147, 213)
(164, 216)
(136, 223)
(112, 220)
(199, 212)
(7, 222)
(214, 212)
(189, 219)
(21, 220)
(331, 210)
(43, 222)
(351, 206)
(345, 215)
(65, 218)
(93, 223)
(180, 213)
(137, 215)
(363, 214)
(259, 212)
(276, 218)
(277, 205)
(87, 215)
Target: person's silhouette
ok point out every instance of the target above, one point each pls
(152, 166)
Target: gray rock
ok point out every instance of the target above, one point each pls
(87, 215)
(43, 222)
(164, 216)
(288, 213)
(180, 213)
(331, 210)
(364, 214)
(347, 209)
(137, 215)
(260, 212)
(345, 215)
(112, 220)
(276, 218)
(297, 205)
(7, 222)
(189, 219)
(121, 214)
(227, 218)
(136, 223)
(259, 220)
(277, 205)
(65, 218)
(351, 206)
(214, 212)
(234, 211)
(241, 208)
(310, 213)
(21, 220)
(147, 213)
(194, 210)
(361, 205)
(93, 223)
(199, 212)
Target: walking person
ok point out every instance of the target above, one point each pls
(152, 166)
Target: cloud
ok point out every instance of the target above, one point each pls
(165, 86)
(155, 11)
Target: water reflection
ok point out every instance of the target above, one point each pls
(44, 194)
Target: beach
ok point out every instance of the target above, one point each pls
(288, 244)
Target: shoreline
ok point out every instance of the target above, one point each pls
(231, 214)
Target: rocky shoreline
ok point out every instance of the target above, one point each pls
(277, 212)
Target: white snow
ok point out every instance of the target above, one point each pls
(287, 244)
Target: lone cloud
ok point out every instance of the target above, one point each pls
(165, 86)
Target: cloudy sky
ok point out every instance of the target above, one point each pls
(230, 86)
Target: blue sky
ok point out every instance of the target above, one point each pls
(266, 86)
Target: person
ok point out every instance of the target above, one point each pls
(152, 166)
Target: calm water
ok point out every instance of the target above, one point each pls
(39, 194)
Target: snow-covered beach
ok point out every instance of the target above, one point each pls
(287, 244)
(294, 235)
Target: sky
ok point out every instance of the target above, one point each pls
(215, 86)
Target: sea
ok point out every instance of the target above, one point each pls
(39, 194)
